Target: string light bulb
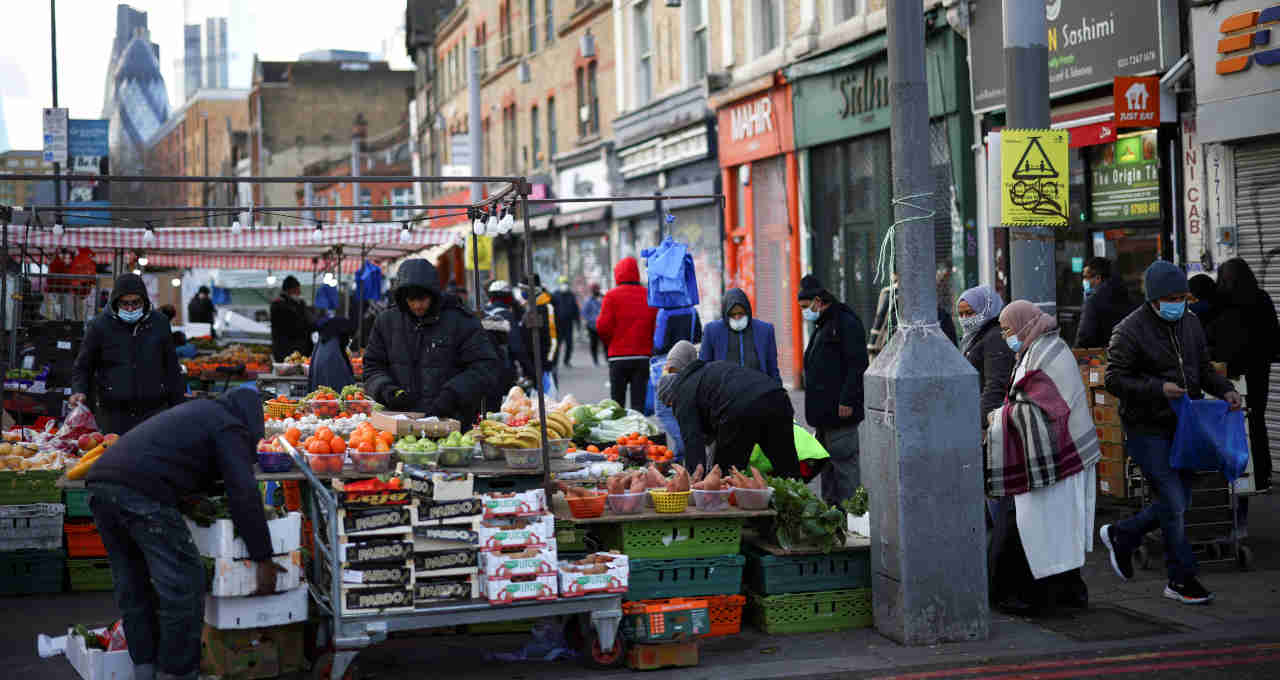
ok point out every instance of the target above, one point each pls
(142, 261)
(318, 234)
(477, 226)
(507, 223)
(236, 228)
(137, 272)
(175, 282)
(149, 236)
(404, 233)
(57, 229)
(271, 279)
(492, 226)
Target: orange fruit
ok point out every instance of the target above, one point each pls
(336, 445)
(293, 436)
(382, 446)
(317, 447)
(386, 438)
(324, 434)
(366, 446)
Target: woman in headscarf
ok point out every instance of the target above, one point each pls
(1043, 452)
(979, 311)
(330, 364)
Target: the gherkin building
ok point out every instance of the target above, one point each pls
(136, 101)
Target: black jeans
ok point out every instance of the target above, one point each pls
(159, 577)
(633, 373)
(564, 348)
(594, 340)
(768, 422)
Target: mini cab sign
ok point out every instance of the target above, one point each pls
(1034, 176)
(1137, 101)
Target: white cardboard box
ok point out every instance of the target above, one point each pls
(95, 664)
(256, 612)
(220, 540)
(519, 504)
(615, 580)
(500, 565)
(540, 531)
(506, 591)
(239, 578)
(452, 486)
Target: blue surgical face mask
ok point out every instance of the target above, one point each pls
(739, 324)
(1088, 287)
(1172, 311)
(1014, 343)
(809, 314)
(130, 315)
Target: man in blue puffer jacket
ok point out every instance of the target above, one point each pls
(740, 338)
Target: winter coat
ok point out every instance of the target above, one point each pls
(673, 324)
(1145, 353)
(1245, 333)
(444, 360)
(626, 320)
(201, 310)
(993, 359)
(186, 449)
(1100, 314)
(122, 364)
(834, 363)
(567, 312)
(290, 328)
(330, 365)
(709, 395)
(591, 311)
(546, 331)
(757, 339)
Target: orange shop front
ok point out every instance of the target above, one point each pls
(762, 241)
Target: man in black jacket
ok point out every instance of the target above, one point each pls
(735, 406)
(157, 570)
(1158, 354)
(201, 309)
(1106, 302)
(127, 362)
(834, 363)
(567, 315)
(428, 353)
(290, 322)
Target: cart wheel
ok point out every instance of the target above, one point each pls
(324, 665)
(1244, 557)
(600, 659)
(1142, 557)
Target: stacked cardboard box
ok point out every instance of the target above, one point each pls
(375, 536)
(445, 542)
(1113, 466)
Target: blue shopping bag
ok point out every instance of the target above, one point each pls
(1210, 436)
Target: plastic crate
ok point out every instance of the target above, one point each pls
(31, 571)
(570, 537)
(726, 614)
(677, 538)
(775, 575)
(721, 575)
(83, 540)
(77, 501)
(90, 575)
(35, 526)
(812, 612)
(32, 486)
(668, 620)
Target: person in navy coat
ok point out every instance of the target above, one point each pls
(740, 339)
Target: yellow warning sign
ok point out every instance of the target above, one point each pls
(1034, 177)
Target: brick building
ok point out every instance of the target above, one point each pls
(14, 162)
(385, 155)
(198, 139)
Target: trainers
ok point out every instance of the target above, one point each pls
(1188, 592)
(1121, 559)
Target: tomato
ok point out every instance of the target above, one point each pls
(324, 434)
(593, 449)
(386, 438)
(366, 446)
(395, 483)
(336, 445)
(382, 446)
(317, 447)
(293, 435)
(344, 414)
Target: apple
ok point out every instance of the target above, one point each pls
(85, 442)
(110, 440)
(97, 438)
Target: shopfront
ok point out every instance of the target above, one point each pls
(842, 130)
(578, 246)
(1122, 191)
(760, 178)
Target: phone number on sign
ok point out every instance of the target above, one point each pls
(1136, 59)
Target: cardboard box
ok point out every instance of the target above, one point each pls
(252, 653)
(1095, 376)
(374, 499)
(439, 486)
(1106, 415)
(1111, 478)
(360, 550)
(428, 564)
(1101, 397)
(1111, 434)
(95, 664)
(506, 591)
(256, 612)
(1113, 451)
(443, 538)
(390, 520)
(376, 600)
(399, 422)
(239, 578)
(220, 540)
(502, 534)
(518, 504)
(379, 574)
(455, 588)
(1085, 357)
(505, 565)
(455, 511)
(576, 583)
(666, 655)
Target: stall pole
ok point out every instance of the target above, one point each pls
(475, 132)
(918, 438)
(532, 314)
(4, 297)
(53, 58)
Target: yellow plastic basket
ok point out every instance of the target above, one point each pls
(278, 410)
(670, 501)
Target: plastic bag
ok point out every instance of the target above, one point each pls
(807, 448)
(1209, 437)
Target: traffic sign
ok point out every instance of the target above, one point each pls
(55, 135)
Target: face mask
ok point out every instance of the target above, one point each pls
(810, 314)
(1088, 287)
(739, 324)
(129, 316)
(1172, 311)
(1014, 343)
(971, 324)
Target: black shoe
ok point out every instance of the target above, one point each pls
(1188, 592)
(1121, 558)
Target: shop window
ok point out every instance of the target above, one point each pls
(768, 32)
(644, 54)
(551, 128)
(401, 196)
(533, 26)
(366, 198)
(535, 139)
(504, 30)
(588, 100)
(699, 42)
(551, 22)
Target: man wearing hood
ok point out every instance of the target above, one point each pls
(428, 353)
(290, 322)
(201, 309)
(740, 338)
(136, 486)
(567, 315)
(127, 362)
(331, 365)
(626, 324)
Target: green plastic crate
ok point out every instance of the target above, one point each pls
(652, 579)
(812, 612)
(570, 537)
(90, 574)
(77, 501)
(676, 538)
(775, 575)
(25, 572)
(32, 486)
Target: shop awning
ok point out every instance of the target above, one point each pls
(582, 217)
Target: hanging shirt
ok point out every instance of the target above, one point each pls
(369, 282)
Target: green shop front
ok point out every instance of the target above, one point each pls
(842, 118)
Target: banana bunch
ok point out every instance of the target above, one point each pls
(507, 437)
(558, 425)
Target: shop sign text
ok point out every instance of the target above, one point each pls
(862, 91)
(751, 119)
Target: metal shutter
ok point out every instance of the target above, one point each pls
(772, 248)
(1258, 229)
(940, 167)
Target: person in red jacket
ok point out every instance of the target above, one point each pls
(626, 326)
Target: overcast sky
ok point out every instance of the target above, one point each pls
(276, 30)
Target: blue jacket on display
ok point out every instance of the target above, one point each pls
(671, 277)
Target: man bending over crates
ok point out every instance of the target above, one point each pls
(136, 486)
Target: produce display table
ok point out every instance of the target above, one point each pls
(561, 512)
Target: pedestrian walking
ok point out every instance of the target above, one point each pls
(1204, 300)
(626, 325)
(1106, 302)
(567, 317)
(740, 338)
(834, 363)
(1159, 353)
(590, 313)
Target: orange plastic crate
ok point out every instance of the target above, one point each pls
(83, 540)
(726, 614)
